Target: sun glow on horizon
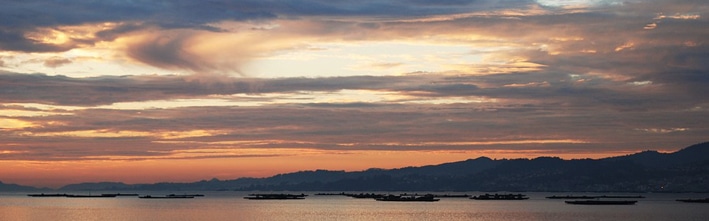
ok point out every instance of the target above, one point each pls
(192, 164)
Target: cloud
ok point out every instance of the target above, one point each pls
(192, 14)
(593, 74)
(384, 65)
(329, 126)
(61, 90)
(220, 37)
(661, 130)
(431, 111)
(55, 62)
(13, 40)
(576, 90)
(176, 34)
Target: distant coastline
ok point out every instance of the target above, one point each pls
(647, 171)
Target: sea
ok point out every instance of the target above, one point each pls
(228, 205)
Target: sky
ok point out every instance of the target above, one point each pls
(145, 91)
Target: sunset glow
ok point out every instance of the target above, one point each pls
(141, 91)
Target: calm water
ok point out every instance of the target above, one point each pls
(231, 206)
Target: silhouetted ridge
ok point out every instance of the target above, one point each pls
(647, 171)
(92, 186)
(693, 154)
(461, 168)
(8, 187)
(648, 158)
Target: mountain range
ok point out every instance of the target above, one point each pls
(686, 170)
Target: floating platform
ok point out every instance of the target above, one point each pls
(408, 198)
(602, 202)
(500, 197)
(705, 200)
(275, 196)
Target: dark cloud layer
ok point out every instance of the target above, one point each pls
(25, 24)
(602, 115)
(21, 17)
(561, 88)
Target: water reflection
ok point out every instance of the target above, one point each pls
(232, 206)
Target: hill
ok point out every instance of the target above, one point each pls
(4, 187)
(686, 170)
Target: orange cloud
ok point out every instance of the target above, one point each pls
(14, 124)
